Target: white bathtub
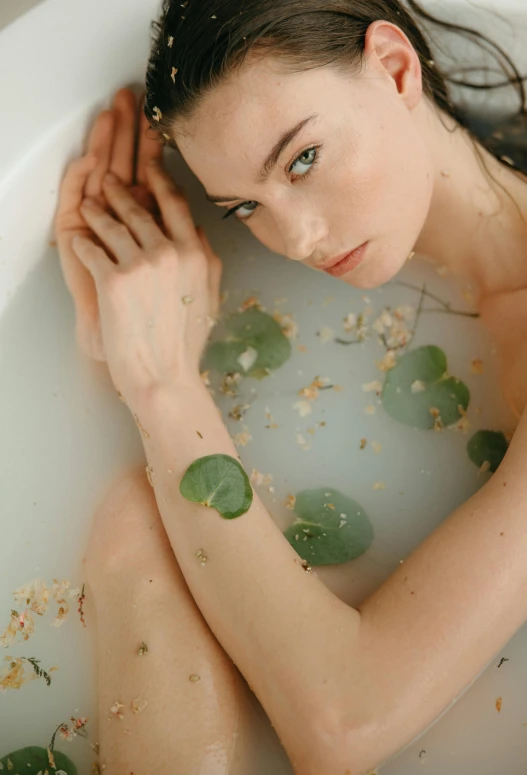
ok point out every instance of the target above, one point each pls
(64, 436)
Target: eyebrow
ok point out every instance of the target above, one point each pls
(271, 161)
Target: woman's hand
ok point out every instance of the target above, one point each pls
(158, 293)
(111, 147)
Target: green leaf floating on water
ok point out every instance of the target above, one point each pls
(218, 481)
(255, 338)
(330, 528)
(419, 387)
(34, 759)
(487, 447)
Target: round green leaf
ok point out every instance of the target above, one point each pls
(248, 331)
(34, 759)
(487, 447)
(223, 356)
(330, 528)
(419, 389)
(218, 481)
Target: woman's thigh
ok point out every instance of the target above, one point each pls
(179, 705)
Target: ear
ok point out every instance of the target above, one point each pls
(387, 47)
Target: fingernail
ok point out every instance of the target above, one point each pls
(110, 178)
(89, 203)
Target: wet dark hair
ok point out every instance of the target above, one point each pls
(197, 43)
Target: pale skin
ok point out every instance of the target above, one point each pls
(394, 663)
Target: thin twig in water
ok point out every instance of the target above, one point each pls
(444, 304)
(345, 341)
(52, 744)
(453, 312)
(417, 316)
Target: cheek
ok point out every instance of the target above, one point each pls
(393, 185)
(268, 234)
(404, 179)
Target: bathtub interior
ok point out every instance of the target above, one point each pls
(65, 436)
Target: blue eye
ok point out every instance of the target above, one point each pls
(301, 168)
(304, 162)
(246, 209)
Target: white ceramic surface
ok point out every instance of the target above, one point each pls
(64, 436)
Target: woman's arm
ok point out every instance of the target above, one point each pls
(344, 689)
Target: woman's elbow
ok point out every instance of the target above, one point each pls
(333, 749)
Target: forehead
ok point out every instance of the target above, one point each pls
(239, 120)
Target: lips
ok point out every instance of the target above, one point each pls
(345, 263)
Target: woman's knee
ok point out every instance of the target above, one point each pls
(127, 530)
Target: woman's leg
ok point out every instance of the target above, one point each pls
(197, 716)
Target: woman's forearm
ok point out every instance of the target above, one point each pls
(360, 684)
(281, 626)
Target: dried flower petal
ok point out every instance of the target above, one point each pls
(248, 358)
(388, 362)
(249, 303)
(303, 407)
(243, 438)
(260, 480)
(372, 386)
(139, 704)
(326, 334)
(201, 556)
(116, 710)
(417, 386)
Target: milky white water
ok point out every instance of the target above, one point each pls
(65, 435)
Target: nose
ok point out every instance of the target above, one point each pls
(302, 231)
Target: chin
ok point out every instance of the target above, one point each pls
(378, 268)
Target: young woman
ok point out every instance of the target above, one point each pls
(326, 127)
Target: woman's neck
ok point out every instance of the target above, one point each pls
(476, 226)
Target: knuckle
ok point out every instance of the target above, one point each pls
(119, 229)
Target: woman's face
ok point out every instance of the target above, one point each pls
(317, 164)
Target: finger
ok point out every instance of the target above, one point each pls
(93, 257)
(72, 191)
(89, 335)
(177, 217)
(149, 148)
(114, 235)
(123, 151)
(140, 222)
(215, 267)
(100, 144)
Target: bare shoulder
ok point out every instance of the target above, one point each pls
(505, 317)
